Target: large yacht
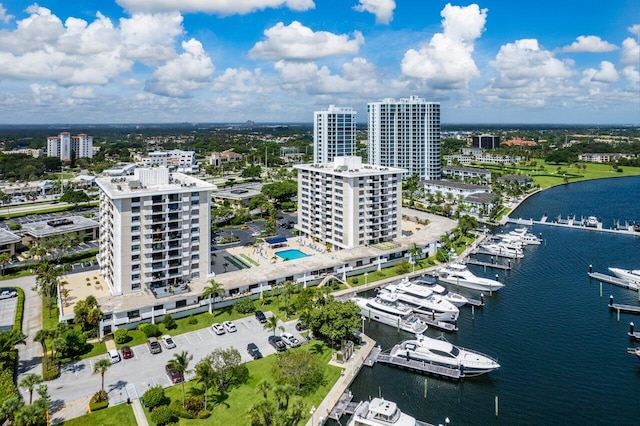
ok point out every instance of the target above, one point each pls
(443, 353)
(386, 308)
(460, 275)
(379, 412)
(432, 284)
(423, 300)
(632, 275)
(503, 249)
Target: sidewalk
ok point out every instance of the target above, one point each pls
(349, 373)
(138, 411)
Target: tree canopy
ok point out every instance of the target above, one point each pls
(281, 191)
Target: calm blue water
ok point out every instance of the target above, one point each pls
(291, 254)
(563, 354)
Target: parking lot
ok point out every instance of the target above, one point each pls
(253, 231)
(134, 376)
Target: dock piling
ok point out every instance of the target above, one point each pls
(631, 328)
(600, 288)
(590, 268)
(496, 405)
(611, 300)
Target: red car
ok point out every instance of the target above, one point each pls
(127, 352)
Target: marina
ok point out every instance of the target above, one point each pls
(627, 309)
(613, 280)
(493, 265)
(573, 223)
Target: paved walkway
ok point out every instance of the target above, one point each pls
(30, 355)
(351, 369)
(138, 411)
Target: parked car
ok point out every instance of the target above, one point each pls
(300, 326)
(229, 326)
(173, 375)
(218, 328)
(114, 356)
(290, 340)
(277, 343)
(168, 341)
(261, 317)
(8, 293)
(253, 350)
(127, 352)
(154, 345)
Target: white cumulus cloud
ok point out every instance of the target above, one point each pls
(632, 76)
(297, 42)
(589, 44)
(180, 76)
(221, 7)
(4, 17)
(630, 52)
(605, 74)
(382, 9)
(445, 62)
(150, 38)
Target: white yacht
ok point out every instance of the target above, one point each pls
(460, 275)
(380, 412)
(591, 222)
(386, 308)
(423, 301)
(524, 236)
(443, 353)
(432, 284)
(632, 275)
(504, 250)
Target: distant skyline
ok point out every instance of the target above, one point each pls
(169, 61)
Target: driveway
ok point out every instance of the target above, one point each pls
(7, 313)
(130, 378)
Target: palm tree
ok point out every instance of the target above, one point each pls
(264, 387)
(205, 375)
(272, 324)
(29, 382)
(101, 366)
(9, 408)
(30, 415)
(180, 364)
(41, 337)
(289, 288)
(211, 291)
(4, 259)
(8, 341)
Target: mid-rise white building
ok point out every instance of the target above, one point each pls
(63, 145)
(181, 161)
(405, 133)
(155, 231)
(334, 134)
(348, 204)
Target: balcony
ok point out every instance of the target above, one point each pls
(171, 287)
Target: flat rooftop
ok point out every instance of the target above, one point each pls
(59, 226)
(239, 192)
(156, 180)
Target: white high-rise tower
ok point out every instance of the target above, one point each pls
(405, 133)
(334, 134)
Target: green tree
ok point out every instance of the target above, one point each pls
(205, 375)
(264, 387)
(29, 382)
(9, 408)
(272, 324)
(281, 191)
(101, 366)
(211, 291)
(335, 321)
(252, 172)
(228, 367)
(4, 259)
(299, 369)
(289, 289)
(180, 364)
(8, 341)
(87, 313)
(41, 337)
(466, 223)
(30, 415)
(74, 197)
(70, 343)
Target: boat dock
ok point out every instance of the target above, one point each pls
(441, 325)
(613, 280)
(343, 406)
(480, 250)
(634, 335)
(416, 365)
(627, 309)
(572, 223)
(472, 261)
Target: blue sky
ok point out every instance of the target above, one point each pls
(494, 61)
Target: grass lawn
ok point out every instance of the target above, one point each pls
(121, 414)
(232, 410)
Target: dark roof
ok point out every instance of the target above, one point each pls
(454, 184)
(276, 240)
(466, 169)
(480, 197)
(517, 178)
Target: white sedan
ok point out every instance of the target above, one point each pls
(218, 328)
(229, 326)
(168, 341)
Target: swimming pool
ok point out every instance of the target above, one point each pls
(291, 254)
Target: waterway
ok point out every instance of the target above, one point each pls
(562, 353)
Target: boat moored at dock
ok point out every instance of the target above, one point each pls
(442, 353)
(631, 275)
(432, 284)
(386, 309)
(460, 275)
(423, 301)
(380, 412)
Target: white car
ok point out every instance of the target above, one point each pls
(229, 326)
(218, 329)
(168, 341)
(290, 340)
(8, 294)
(114, 356)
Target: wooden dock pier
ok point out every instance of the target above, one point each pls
(472, 261)
(627, 309)
(573, 223)
(613, 280)
(441, 325)
(488, 253)
(343, 406)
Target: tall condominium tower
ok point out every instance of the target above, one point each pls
(64, 145)
(405, 133)
(348, 204)
(155, 230)
(334, 134)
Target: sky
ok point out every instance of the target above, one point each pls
(229, 61)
